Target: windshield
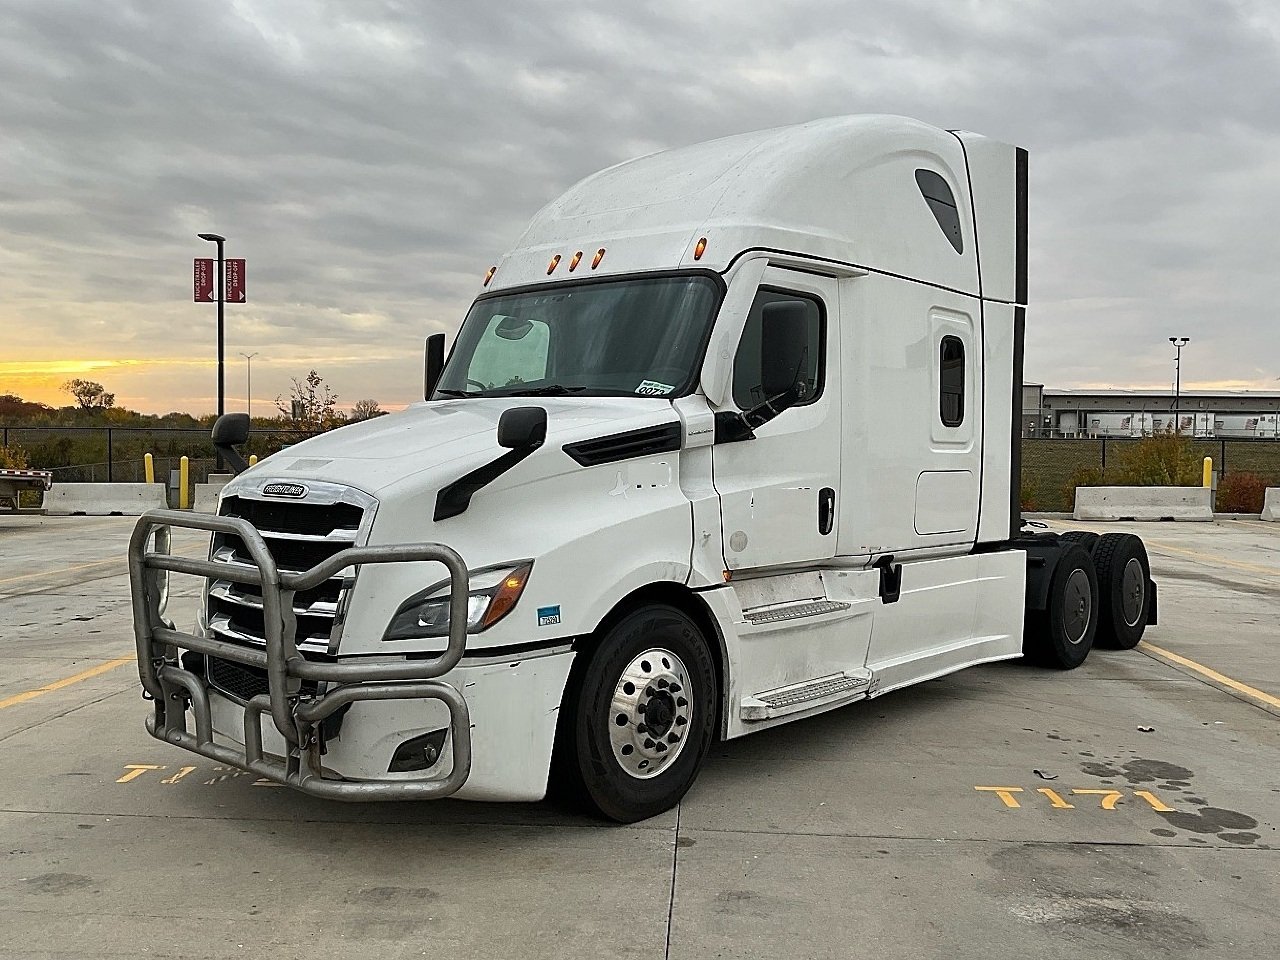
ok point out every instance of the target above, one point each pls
(637, 337)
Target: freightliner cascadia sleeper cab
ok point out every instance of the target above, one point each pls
(728, 438)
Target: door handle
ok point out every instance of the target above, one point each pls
(826, 510)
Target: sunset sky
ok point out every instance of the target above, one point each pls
(371, 159)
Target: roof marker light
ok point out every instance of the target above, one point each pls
(573, 264)
(700, 249)
(595, 261)
(489, 276)
(555, 262)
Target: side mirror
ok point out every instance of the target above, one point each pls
(783, 342)
(434, 364)
(229, 431)
(522, 428)
(784, 339)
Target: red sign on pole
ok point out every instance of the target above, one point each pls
(235, 281)
(204, 282)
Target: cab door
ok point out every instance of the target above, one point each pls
(778, 491)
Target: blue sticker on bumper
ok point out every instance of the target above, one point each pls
(548, 615)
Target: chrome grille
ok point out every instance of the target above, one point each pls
(299, 534)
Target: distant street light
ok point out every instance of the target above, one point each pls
(248, 381)
(1178, 343)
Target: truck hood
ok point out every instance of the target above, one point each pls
(445, 439)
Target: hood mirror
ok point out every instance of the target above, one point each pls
(522, 428)
(229, 431)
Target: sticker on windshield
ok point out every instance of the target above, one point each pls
(652, 388)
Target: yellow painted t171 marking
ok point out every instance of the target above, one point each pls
(1005, 794)
(64, 682)
(138, 769)
(1056, 799)
(179, 775)
(1109, 797)
(1157, 804)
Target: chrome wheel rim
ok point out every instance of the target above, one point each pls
(650, 714)
(1133, 592)
(1077, 606)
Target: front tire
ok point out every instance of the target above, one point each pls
(644, 715)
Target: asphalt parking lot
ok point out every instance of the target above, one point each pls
(1126, 809)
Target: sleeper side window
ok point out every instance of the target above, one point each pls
(951, 381)
(747, 390)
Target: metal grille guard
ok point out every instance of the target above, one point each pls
(297, 716)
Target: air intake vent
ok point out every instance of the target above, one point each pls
(626, 446)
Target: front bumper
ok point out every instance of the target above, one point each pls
(295, 713)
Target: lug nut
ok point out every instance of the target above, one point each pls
(648, 744)
(676, 688)
(662, 683)
(672, 738)
(681, 721)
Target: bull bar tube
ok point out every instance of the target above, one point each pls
(296, 715)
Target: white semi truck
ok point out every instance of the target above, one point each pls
(729, 438)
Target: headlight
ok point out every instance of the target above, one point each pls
(493, 593)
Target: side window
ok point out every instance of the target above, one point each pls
(942, 203)
(951, 381)
(747, 391)
(511, 351)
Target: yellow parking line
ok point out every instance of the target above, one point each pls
(65, 682)
(1250, 694)
(50, 573)
(1160, 545)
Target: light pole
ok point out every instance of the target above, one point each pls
(222, 296)
(248, 381)
(1178, 343)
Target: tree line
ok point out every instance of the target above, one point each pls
(37, 436)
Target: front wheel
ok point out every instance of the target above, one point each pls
(644, 715)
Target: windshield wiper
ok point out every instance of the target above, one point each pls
(458, 393)
(550, 390)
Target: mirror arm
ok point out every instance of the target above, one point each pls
(231, 455)
(731, 427)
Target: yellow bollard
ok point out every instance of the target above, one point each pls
(253, 459)
(184, 485)
(150, 465)
(1208, 472)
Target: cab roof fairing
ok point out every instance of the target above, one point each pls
(840, 189)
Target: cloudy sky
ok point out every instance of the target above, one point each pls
(371, 158)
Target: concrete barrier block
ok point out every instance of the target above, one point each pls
(206, 494)
(1271, 504)
(103, 499)
(1144, 503)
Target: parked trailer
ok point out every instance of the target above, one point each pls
(14, 481)
(729, 438)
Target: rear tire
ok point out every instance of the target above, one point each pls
(1086, 538)
(1061, 635)
(653, 671)
(1123, 575)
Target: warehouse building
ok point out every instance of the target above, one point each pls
(1048, 412)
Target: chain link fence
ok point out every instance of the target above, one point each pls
(115, 454)
(1051, 466)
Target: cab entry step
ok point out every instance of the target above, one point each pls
(795, 611)
(801, 696)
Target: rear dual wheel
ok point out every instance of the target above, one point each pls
(1062, 634)
(1123, 576)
